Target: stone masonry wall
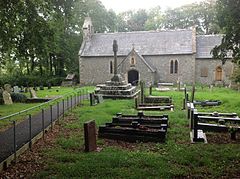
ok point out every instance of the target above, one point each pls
(186, 68)
(210, 65)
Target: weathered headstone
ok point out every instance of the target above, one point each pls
(21, 89)
(100, 98)
(26, 90)
(8, 88)
(7, 97)
(16, 89)
(41, 87)
(33, 93)
(90, 136)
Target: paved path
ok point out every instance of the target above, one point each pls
(23, 131)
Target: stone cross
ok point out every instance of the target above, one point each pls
(7, 97)
(115, 49)
(8, 88)
(116, 77)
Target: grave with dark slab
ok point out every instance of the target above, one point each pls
(201, 122)
(70, 80)
(134, 128)
(116, 87)
(203, 103)
(152, 102)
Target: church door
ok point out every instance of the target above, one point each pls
(133, 77)
(218, 74)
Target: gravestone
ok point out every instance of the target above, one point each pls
(90, 136)
(33, 93)
(16, 89)
(7, 98)
(41, 87)
(8, 88)
(99, 98)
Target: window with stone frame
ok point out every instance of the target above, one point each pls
(111, 67)
(176, 67)
(132, 61)
(171, 67)
(204, 72)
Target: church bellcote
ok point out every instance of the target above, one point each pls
(87, 28)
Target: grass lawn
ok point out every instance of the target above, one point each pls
(6, 110)
(175, 158)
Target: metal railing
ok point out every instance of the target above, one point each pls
(47, 113)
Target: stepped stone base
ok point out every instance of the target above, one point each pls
(112, 89)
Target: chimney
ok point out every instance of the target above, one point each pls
(87, 28)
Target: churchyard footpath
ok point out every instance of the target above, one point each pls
(20, 137)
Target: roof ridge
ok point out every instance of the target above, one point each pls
(135, 32)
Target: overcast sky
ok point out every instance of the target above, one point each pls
(124, 5)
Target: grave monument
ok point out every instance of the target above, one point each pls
(116, 87)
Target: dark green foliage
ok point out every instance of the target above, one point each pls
(18, 97)
(28, 80)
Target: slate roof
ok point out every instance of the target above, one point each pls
(146, 43)
(205, 43)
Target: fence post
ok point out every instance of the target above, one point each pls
(30, 131)
(43, 125)
(51, 116)
(71, 103)
(58, 110)
(75, 99)
(67, 103)
(14, 141)
(63, 108)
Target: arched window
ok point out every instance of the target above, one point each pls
(171, 67)
(176, 66)
(111, 67)
(132, 62)
(218, 74)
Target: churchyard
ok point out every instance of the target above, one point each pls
(176, 157)
(46, 93)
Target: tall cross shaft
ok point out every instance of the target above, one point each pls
(115, 49)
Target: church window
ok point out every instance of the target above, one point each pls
(171, 67)
(218, 74)
(204, 72)
(176, 67)
(111, 67)
(132, 62)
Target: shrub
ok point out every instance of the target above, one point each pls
(18, 97)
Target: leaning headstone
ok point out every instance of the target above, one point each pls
(90, 136)
(33, 93)
(8, 88)
(16, 89)
(7, 97)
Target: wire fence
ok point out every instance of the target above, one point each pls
(36, 120)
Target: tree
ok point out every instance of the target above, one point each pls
(202, 16)
(155, 19)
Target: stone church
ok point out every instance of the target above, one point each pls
(152, 56)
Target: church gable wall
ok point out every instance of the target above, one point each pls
(136, 63)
